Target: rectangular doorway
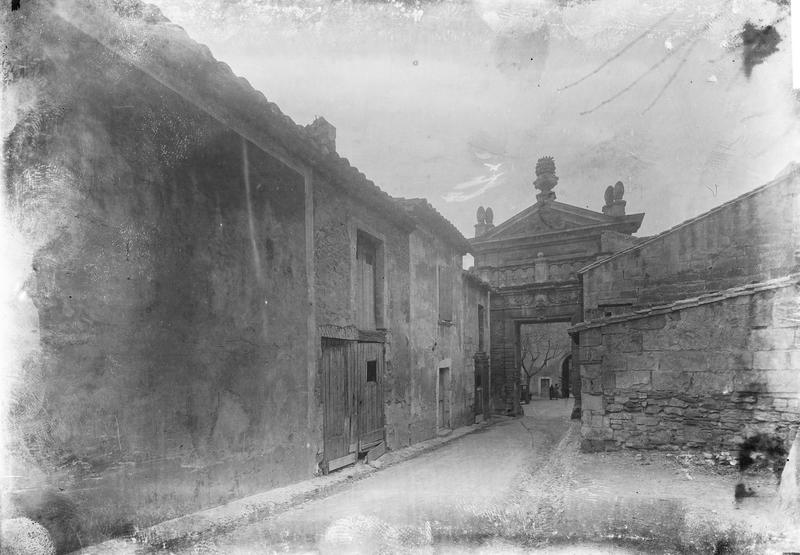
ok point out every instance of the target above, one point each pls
(352, 378)
(443, 399)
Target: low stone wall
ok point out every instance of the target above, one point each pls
(702, 373)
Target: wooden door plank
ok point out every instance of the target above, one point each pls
(350, 458)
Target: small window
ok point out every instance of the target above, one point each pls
(445, 294)
(368, 289)
(372, 371)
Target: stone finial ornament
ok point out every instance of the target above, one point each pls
(619, 190)
(485, 217)
(615, 206)
(609, 196)
(546, 179)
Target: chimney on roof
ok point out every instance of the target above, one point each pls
(323, 133)
(485, 221)
(615, 206)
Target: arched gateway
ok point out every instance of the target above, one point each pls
(531, 260)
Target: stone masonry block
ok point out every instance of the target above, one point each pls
(771, 360)
(623, 342)
(591, 370)
(614, 361)
(671, 381)
(761, 311)
(658, 340)
(597, 421)
(771, 338)
(794, 359)
(754, 381)
(591, 337)
(786, 312)
(645, 420)
(683, 361)
(633, 380)
(609, 381)
(712, 381)
(650, 323)
(591, 385)
(593, 404)
(675, 402)
(783, 381)
(642, 361)
(730, 359)
(591, 354)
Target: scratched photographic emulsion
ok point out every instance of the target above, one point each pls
(400, 277)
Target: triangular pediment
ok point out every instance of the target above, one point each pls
(545, 218)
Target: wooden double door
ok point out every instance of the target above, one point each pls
(352, 377)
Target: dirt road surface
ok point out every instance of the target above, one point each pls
(523, 486)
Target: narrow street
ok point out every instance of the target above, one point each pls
(453, 490)
(522, 486)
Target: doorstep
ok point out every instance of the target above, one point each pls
(224, 518)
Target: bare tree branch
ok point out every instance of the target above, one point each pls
(537, 351)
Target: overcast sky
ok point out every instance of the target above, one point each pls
(455, 100)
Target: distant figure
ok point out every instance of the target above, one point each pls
(552, 392)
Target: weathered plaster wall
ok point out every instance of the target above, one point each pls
(172, 307)
(474, 295)
(337, 217)
(704, 376)
(752, 238)
(435, 344)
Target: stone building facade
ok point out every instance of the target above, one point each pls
(448, 318)
(532, 262)
(190, 263)
(690, 339)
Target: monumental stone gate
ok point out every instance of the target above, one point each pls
(531, 261)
